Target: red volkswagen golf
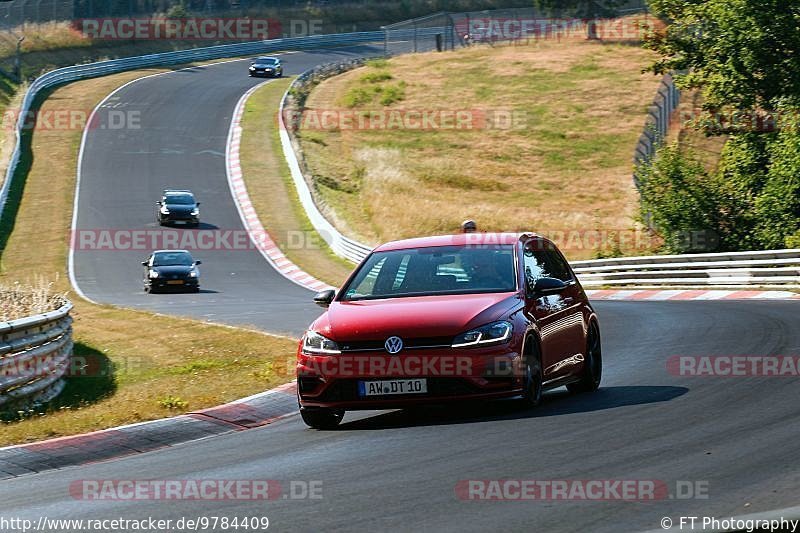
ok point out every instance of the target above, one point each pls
(449, 318)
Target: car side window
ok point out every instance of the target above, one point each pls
(542, 261)
(534, 267)
(556, 265)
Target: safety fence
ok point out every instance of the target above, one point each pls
(35, 355)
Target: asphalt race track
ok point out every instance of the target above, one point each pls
(398, 470)
(178, 141)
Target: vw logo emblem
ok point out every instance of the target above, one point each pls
(393, 345)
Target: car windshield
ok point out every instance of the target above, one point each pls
(172, 259)
(266, 60)
(432, 271)
(179, 199)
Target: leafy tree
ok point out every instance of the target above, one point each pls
(778, 205)
(676, 197)
(743, 54)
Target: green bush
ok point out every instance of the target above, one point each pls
(751, 202)
(393, 93)
(678, 197)
(376, 77)
(778, 206)
(177, 11)
(357, 96)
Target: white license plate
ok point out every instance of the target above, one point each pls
(392, 386)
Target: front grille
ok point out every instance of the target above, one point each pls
(408, 344)
(345, 390)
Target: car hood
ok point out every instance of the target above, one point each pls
(421, 316)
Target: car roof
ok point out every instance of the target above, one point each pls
(459, 239)
(171, 251)
(177, 191)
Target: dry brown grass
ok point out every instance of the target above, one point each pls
(568, 168)
(19, 300)
(41, 36)
(195, 363)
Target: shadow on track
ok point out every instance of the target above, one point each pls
(555, 404)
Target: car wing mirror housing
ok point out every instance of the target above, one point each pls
(144, 263)
(545, 286)
(198, 262)
(324, 298)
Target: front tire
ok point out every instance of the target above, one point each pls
(592, 371)
(321, 418)
(534, 378)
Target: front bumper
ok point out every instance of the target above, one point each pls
(264, 73)
(451, 375)
(179, 219)
(164, 284)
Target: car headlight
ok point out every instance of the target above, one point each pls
(153, 274)
(495, 332)
(193, 274)
(164, 210)
(315, 343)
(252, 67)
(195, 211)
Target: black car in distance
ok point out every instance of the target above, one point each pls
(179, 207)
(269, 67)
(171, 269)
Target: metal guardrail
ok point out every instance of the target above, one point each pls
(770, 268)
(34, 357)
(102, 68)
(342, 246)
(657, 123)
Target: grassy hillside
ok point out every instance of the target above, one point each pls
(563, 166)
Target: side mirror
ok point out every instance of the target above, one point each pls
(198, 262)
(197, 203)
(144, 263)
(545, 286)
(324, 298)
(158, 203)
